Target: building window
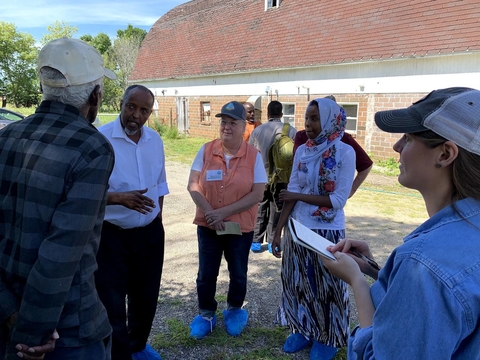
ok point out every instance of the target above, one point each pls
(289, 113)
(272, 4)
(205, 113)
(352, 117)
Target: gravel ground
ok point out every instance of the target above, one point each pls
(178, 295)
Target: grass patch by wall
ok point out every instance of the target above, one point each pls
(182, 150)
(387, 167)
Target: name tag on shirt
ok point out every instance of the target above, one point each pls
(214, 175)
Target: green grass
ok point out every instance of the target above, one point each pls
(165, 131)
(265, 343)
(392, 204)
(106, 118)
(23, 110)
(178, 334)
(182, 150)
(221, 298)
(387, 167)
(172, 302)
(394, 188)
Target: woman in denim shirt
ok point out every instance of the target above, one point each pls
(426, 301)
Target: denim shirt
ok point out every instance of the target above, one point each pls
(427, 297)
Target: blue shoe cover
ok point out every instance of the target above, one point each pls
(295, 342)
(146, 354)
(322, 352)
(256, 247)
(201, 326)
(235, 321)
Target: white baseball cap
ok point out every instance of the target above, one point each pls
(79, 62)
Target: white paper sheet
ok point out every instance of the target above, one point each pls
(302, 235)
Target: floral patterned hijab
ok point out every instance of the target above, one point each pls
(322, 151)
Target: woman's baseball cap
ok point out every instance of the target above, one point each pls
(453, 113)
(234, 109)
(79, 62)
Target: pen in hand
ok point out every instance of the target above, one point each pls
(370, 262)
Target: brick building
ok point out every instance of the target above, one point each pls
(372, 55)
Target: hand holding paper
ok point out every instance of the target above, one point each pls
(231, 228)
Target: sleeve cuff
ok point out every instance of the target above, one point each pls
(162, 189)
(360, 338)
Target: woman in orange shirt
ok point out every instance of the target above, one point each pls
(226, 183)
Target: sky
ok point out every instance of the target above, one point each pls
(89, 16)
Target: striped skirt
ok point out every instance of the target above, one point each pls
(314, 302)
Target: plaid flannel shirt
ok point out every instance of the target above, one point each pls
(55, 168)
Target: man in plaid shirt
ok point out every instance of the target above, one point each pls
(55, 167)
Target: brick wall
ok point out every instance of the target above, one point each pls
(167, 113)
(369, 136)
(381, 143)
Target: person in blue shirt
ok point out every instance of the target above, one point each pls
(425, 303)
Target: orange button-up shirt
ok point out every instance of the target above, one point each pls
(249, 128)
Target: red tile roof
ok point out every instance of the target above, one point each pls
(205, 37)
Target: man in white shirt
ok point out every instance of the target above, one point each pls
(130, 258)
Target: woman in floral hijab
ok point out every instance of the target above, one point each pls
(315, 303)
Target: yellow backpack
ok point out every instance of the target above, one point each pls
(280, 158)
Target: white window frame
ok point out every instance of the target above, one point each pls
(291, 117)
(350, 119)
(272, 4)
(205, 117)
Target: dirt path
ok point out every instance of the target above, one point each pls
(178, 295)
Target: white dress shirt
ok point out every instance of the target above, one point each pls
(137, 167)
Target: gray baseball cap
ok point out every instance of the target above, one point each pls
(234, 109)
(453, 113)
(79, 62)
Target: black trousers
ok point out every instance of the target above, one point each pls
(130, 263)
(211, 247)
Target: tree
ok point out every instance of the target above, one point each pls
(59, 30)
(18, 56)
(87, 38)
(120, 57)
(132, 32)
(125, 51)
(112, 91)
(101, 42)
